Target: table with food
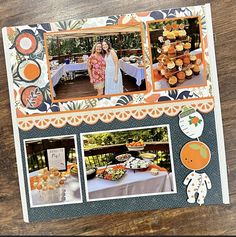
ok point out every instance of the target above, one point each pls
(131, 176)
(60, 70)
(134, 67)
(48, 186)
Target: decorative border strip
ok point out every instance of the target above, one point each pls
(92, 117)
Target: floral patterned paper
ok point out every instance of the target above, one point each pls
(46, 105)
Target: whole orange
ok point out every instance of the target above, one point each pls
(195, 155)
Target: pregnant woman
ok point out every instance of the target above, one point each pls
(113, 76)
(96, 68)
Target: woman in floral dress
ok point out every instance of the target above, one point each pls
(96, 68)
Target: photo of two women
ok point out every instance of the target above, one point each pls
(95, 63)
(103, 69)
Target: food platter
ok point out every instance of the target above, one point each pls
(136, 163)
(112, 173)
(123, 157)
(91, 173)
(135, 146)
(74, 170)
(148, 156)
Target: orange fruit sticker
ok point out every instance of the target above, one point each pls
(195, 155)
(31, 71)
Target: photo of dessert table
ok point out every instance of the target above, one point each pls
(67, 193)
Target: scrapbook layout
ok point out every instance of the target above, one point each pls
(118, 113)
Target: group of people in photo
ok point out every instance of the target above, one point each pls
(103, 69)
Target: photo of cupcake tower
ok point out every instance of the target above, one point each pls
(175, 60)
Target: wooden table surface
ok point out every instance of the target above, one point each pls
(204, 220)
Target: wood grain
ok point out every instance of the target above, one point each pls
(204, 220)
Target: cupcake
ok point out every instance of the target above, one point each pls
(165, 61)
(173, 81)
(179, 49)
(180, 76)
(193, 59)
(165, 49)
(167, 74)
(168, 27)
(171, 52)
(171, 36)
(186, 61)
(191, 66)
(179, 63)
(175, 26)
(196, 69)
(176, 33)
(182, 34)
(164, 34)
(171, 66)
(161, 58)
(181, 26)
(189, 73)
(187, 46)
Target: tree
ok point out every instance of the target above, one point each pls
(159, 134)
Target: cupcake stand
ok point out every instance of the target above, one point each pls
(175, 56)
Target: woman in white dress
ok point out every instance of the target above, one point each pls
(113, 76)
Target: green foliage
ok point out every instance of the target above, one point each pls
(162, 24)
(111, 138)
(84, 45)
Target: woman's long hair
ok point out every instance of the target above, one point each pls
(109, 46)
(94, 47)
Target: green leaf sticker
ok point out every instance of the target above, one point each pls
(195, 146)
(203, 152)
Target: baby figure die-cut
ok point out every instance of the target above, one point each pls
(195, 155)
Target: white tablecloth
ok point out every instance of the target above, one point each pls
(70, 191)
(57, 74)
(75, 67)
(133, 70)
(132, 183)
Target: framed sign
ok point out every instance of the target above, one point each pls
(56, 158)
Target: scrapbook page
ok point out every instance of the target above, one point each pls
(117, 113)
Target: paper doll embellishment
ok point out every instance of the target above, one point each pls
(196, 155)
(197, 184)
(191, 122)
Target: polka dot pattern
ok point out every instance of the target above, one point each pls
(139, 203)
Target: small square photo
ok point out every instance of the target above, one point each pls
(177, 53)
(53, 173)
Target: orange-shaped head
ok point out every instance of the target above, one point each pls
(195, 155)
